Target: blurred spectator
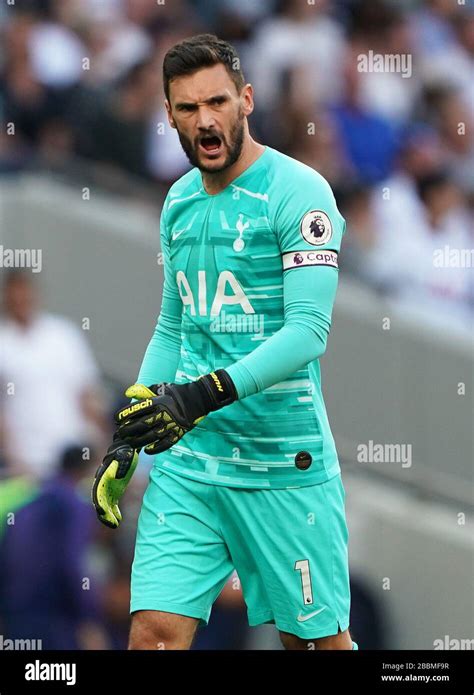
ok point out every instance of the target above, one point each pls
(432, 27)
(447, 111)
(47, 592)
(369, 141)
(55, 150)
(55, 54)
(414, 261)
(420, 155)
(50, 396)
(118, 133)
(380, 31)
(312, 138)
(443, 34)
(27, 103)
(233, 16)
(301, 37)
(114, 41)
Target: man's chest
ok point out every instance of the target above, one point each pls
(223, 250)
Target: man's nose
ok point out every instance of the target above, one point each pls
(205, 119)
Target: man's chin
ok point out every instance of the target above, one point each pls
(210, 166)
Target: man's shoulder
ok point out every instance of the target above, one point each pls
(187, 185)
(290, 175)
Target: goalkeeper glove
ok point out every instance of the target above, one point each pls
(111, 479)
(167, 411)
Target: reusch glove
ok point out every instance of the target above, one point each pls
(165, 412)
(111, 478)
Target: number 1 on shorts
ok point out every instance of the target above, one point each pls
(303, 567)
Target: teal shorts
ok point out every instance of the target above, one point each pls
(288, 547)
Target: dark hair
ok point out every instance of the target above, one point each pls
(72, 460)
(430, 182)
(201, 51)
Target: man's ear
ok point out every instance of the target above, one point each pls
(247, 99)
(168, 112)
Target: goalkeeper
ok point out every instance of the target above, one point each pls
(246, 475)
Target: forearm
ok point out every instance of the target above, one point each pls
(161, 358)
(309, 298)
(287, 351)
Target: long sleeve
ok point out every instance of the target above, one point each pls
(161, 357)
(309, 295)
(309, 229)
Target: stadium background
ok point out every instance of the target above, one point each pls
(86, 158)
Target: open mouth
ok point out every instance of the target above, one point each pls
(211, 144)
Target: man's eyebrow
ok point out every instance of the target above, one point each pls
(206, 101)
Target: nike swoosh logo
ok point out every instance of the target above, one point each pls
(177, 234)
(302, 618)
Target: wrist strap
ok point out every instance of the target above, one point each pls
(220, 389)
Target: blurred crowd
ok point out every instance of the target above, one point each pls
(63, 576)
(81, 98)
(81, 94)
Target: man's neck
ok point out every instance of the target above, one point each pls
(215, 183)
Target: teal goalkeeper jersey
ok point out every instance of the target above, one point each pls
(250, 277)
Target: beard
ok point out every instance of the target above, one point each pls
(233, 146)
